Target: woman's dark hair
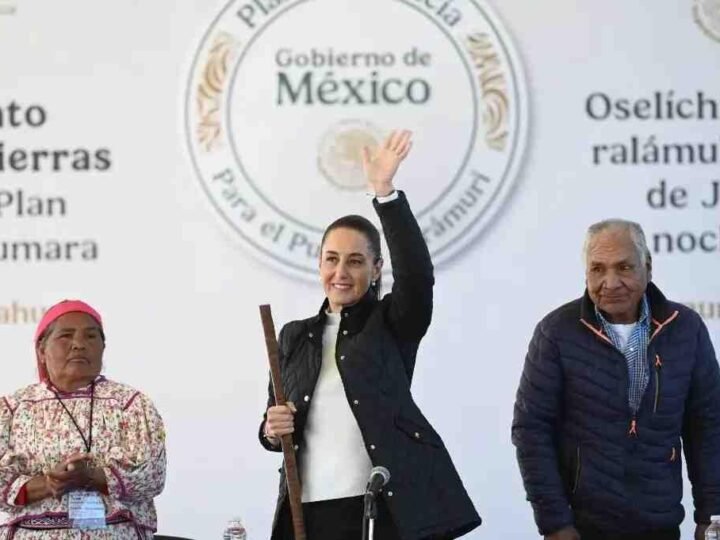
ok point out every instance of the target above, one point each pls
(371, 234)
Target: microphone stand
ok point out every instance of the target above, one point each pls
(379, 477)
(369, 516)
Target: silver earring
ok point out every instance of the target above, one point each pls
(372, 283)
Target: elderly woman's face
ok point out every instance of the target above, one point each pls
(347, 266)
(73, 350)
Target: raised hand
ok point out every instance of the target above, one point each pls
(381, 164)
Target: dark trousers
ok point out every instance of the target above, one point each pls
(337, 519)
(589, 533)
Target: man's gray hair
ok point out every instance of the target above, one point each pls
(634, 229)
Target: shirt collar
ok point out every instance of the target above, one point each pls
(83, 391)
(643, 320)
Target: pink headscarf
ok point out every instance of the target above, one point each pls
(53, 314)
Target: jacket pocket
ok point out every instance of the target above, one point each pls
(577, 469)
(673, 463)
(658, 382)
(418, 432)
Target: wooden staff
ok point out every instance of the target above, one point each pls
(291, 471)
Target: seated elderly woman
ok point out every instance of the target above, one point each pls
(80, 456)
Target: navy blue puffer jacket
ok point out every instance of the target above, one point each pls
(584, 457)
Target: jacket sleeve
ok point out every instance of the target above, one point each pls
(538, 407)
(282, 346)
(14, 467)
(135, 469)
(411, 301)
(701, 430)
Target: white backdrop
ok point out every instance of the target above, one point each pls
(179, 286)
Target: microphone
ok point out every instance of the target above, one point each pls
(379, 476)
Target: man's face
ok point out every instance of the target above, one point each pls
(616, 280)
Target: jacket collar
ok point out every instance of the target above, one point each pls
(661, 312)
(353, 317)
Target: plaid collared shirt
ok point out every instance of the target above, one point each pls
(635, 353)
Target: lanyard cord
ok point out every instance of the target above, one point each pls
(87, 441)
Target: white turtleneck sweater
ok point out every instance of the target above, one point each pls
(335, 463)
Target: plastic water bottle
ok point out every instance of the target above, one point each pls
(235, 530)
(713, 531)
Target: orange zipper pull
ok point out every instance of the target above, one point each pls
(633, 428)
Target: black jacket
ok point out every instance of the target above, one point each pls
(376, 349)
(584, 457)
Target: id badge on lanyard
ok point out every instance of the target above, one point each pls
(86, 510)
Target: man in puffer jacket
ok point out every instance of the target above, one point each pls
(613, 384)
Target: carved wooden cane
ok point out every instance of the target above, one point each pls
(291, 471)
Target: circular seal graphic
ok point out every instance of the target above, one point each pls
(283, 95)
(707, 15)
(339, 153)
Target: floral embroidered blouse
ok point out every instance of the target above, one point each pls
(128, 442)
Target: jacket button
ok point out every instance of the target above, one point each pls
(307, 398)
(372, 447)
(356, 402)
(344, 332)
(310, 335)
(390, 493)
(417, 435)
(342, 357)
